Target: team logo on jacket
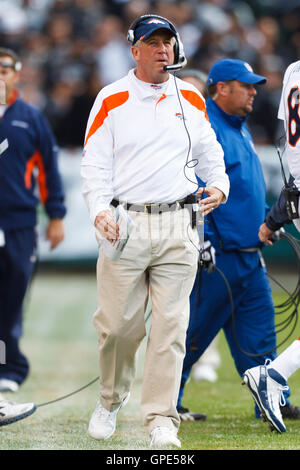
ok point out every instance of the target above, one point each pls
(180, 116)
(155, 87)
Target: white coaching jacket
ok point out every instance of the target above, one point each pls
(144, 143)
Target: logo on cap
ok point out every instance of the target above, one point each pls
(248, 67)
(154, 20)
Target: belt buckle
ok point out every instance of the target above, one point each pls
(145, 208)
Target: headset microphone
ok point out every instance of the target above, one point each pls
(174, 67)
(180, 59)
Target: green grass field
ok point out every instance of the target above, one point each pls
(60, 341)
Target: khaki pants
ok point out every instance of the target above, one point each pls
(160, 256)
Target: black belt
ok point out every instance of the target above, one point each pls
(152, 208)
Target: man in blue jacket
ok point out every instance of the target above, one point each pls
(28, 153)
(233, 232)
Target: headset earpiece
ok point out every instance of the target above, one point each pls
(133, 26)
(130, 36)
(18, 66)
(176, 49)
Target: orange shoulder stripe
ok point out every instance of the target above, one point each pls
(195, 100)
(109, 103)
(37, 161)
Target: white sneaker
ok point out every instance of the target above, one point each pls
(7, 385)
(11, 412)
(266, 386)
(204, 372)
(162, 436)
(103, 422)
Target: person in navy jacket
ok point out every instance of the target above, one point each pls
(276, 218)
(28, 155)
(232, 231)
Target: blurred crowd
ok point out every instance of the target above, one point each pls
(72, 48)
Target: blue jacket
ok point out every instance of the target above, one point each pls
(235, 225)
(28, 153)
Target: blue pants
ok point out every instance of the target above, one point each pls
(211, 311)
(17, 259)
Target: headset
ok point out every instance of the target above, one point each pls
(179, 56)
(17, 66)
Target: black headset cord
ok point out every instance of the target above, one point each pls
(69, 394)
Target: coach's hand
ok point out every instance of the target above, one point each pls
(106, 225)
(55, 232)
(214, 198)
(265, 234)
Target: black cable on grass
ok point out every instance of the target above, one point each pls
(69, 394)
